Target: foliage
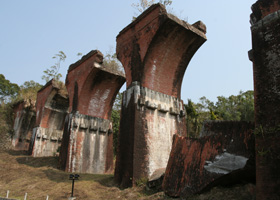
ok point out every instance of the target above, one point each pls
(79, 55)
(28, 90)
(6, 123)
(11, 93)
(233, 108)
(8, 90)
(142, 5)
(111, 61)
(116, 112)
(53, 71)
(240, 107)
(192, 119)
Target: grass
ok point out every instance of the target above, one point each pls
(38, 177)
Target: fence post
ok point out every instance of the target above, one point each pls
(25, 196)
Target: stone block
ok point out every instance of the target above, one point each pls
(45, 137)
(151, 105)
(162, 108)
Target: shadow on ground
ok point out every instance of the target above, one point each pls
(61, 176)
(17, 152)
(38, 162)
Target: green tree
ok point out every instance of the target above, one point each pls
(28, 90)
(239, 107)
(233, 108)
(6, 124)
(53, 71)
(115, 116)
(191, 119)
(246, 105)
(8, 90)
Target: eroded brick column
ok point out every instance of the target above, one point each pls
(155, 50)
(51, 109)
(23, 124)
(265, 54)
(87, 144)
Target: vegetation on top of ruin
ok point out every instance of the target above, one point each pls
(142, 5)
(53, 71)
(111, 62)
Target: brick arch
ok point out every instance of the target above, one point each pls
(92, 89)
(168, 56)
(155, 50)
(98, 93)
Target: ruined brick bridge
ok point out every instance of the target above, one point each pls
(155, 49)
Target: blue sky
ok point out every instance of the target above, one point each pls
(32, 31)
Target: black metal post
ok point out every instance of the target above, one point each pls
(73, 180)
(73, 177)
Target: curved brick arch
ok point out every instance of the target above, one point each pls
(155, 50)
(51, 109)
(87, 144)
(168, 57)
(99, 92)
(156, 36)
(77, 75)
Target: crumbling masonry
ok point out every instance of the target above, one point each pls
(51, 109)
(155, 50)
(87, 144)
(23, 124)
(265, 55)
(224, 154)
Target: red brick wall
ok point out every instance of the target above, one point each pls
(96, 86)
(265, 55)
(158, 65)
(42, 97)
(155, 50)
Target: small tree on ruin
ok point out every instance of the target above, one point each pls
(53, 71)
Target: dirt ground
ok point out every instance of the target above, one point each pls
(38, 177)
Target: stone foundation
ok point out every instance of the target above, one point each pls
(90, 146)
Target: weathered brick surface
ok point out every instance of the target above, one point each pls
(153, 118)
(224, 156)
(87, 144)
(23, 124)
(155, 50)
(92, 87)
(90, 145)
(51, 109)
(262, 8)
(265, 55)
